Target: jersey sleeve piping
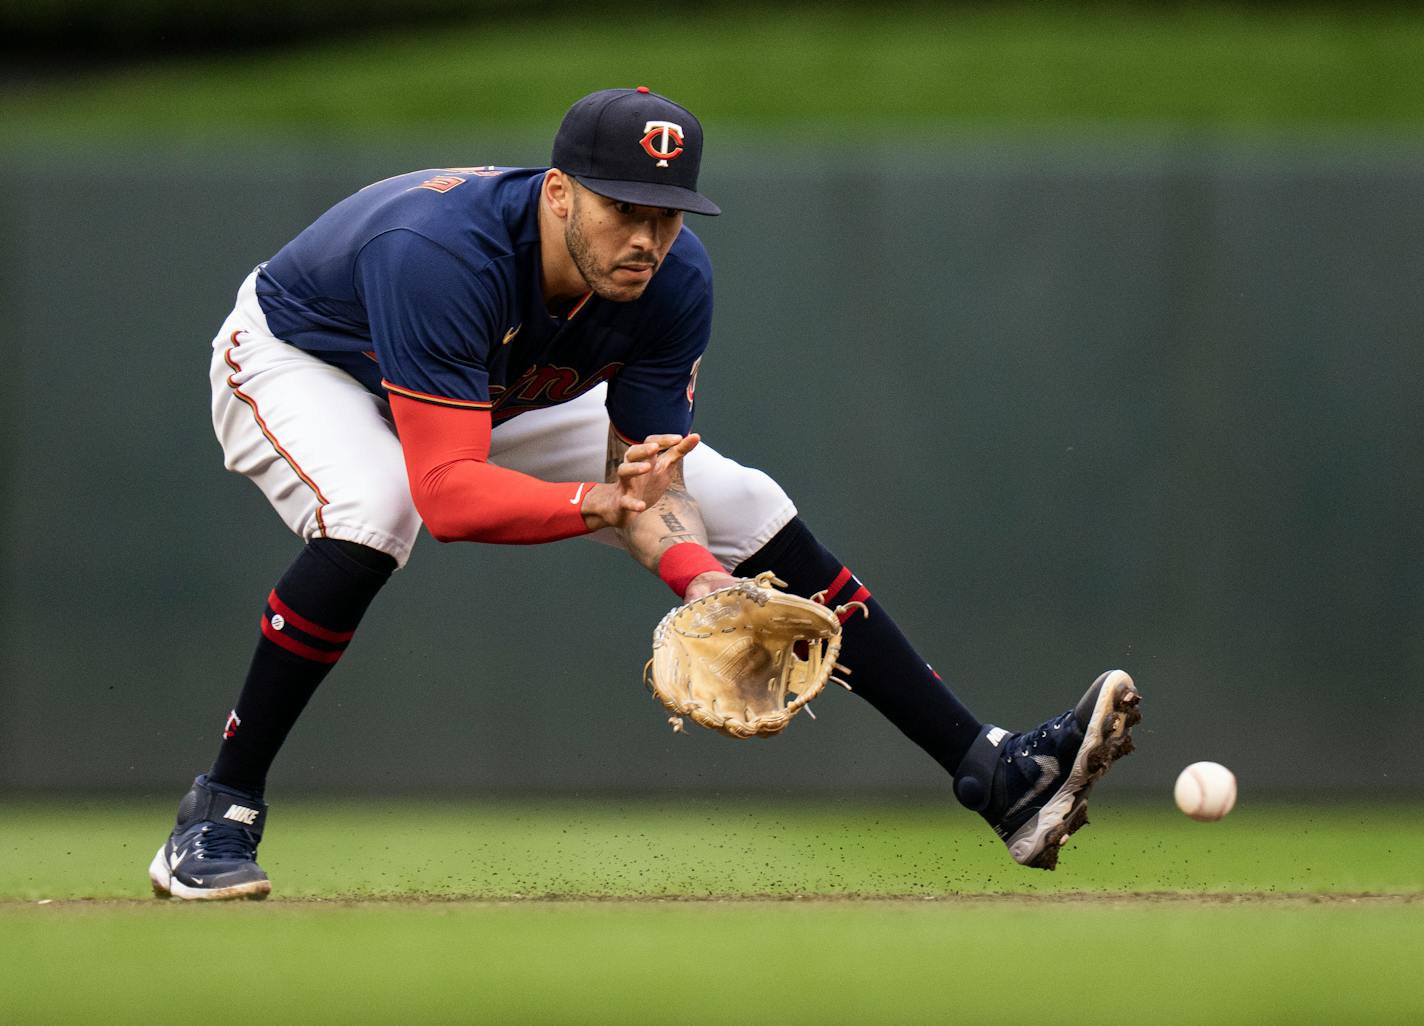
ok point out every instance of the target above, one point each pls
(621, 436)
(437, 400)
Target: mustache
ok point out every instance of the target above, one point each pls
(640, 260)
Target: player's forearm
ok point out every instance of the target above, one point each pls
(670, 521)
(473, 501)
(668, 537)
(462, 497)
(670, 540)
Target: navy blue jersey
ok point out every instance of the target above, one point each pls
(428, 285)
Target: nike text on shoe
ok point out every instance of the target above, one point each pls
(212, 853)
(1033, 787)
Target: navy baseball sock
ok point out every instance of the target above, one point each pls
(310, 618)
(886, 670)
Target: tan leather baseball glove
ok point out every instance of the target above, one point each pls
(731, 659)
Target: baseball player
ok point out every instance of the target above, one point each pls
(509, 356)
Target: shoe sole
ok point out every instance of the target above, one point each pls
(1108, 738)
(165, 886)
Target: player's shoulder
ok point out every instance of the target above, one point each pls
(477, 213)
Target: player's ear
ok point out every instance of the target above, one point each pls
(558, 192)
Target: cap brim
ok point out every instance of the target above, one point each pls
(648, 194)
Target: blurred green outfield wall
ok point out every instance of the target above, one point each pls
(1062, 405)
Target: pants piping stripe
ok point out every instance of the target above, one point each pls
(322, 501)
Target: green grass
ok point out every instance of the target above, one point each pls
(597, 849)
(806, 73)
(773, 963)
(651, 912)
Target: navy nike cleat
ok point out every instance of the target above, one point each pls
(212, 853)
(1033, 787)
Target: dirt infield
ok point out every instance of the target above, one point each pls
(1096, 899)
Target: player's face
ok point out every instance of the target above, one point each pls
(616, 246)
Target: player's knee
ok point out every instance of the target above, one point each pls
(379, 515)
(747, 493)
(396, 517)
(760, 489)
(741, 507)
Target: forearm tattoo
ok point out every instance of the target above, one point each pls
(675, 507)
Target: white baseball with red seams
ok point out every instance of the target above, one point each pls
(1205, 791)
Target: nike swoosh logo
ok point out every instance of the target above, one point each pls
(578, 495)
(176, 859)
(509, 335)
(1049, 766)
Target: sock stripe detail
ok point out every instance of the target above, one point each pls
(296, 647)
(842, 579)
(306, 626)
(862, 594)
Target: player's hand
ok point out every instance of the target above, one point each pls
(710, 581)
(647, 470)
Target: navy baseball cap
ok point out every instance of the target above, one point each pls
(634, 146)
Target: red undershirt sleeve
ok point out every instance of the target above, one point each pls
(461, 496)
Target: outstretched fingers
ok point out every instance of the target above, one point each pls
(658, 452)
(650, 467)
(675, 451)
(633, 468)
(671, 449)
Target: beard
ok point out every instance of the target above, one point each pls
(600, 279)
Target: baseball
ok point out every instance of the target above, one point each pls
(1206, 791)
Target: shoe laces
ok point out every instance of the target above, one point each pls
(1048, 735)
(219, 842)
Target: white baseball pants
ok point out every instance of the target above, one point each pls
(324, 450)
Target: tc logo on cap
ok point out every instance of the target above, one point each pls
(662, 140)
